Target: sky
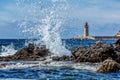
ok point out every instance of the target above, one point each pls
(103, 17)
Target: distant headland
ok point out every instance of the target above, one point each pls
(86, 35)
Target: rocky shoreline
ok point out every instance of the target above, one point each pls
(29, 53)
(107, 54)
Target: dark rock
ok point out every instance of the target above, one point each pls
(56, 58)
(75, 51)
(65, 58)
(117, 48)
(109, 65)
(95, 53)
(117, 45)
(42, 51)
(2, 65)
(62, 58)
(8, 58)
(117, 42)
(117, 58)
(30, 48)
(29, 53)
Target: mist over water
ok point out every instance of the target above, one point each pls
(42, 19)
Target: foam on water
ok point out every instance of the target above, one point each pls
(80, 66)
(54, 73)
(44, 22)
(66, 64)
(19, 65)
(15, 79)
(8, 50)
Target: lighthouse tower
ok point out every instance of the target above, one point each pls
(86, 30)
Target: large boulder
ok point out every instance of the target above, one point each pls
(95, 53)
(117, 45)
(117, 58)
(109, 65)
(29, 53)
(77, 50)
(30, 48)
(117, 50)
(41, 51)
(32, 53)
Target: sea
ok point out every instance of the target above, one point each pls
(36, 70)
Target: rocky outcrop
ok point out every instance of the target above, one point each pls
(95, 53)
(109, 65)
(2, 65)
(117, 45)
(29, 53)
(76, 51)
(117, 50)
(98, 52)
(117, 42)
(62, 58)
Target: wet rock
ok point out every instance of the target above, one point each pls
(65, 58)
(117, 45)
(42, 51)
(2, 65)
(62, 58)
(30, 48)
(75, 51)
(117, 42)
(109, 65)
(56, 58)
(117, 58)
(95, 53)
(8, 58)
(117, 48)
(29, 53)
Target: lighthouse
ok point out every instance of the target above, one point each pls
(86, 30)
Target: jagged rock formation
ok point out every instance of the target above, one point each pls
(109, 65)
(109, 54)
(98, 52)
(29, 53)
(95, 53)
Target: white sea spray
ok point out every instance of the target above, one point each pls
(43, 20)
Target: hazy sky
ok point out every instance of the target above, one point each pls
(103, 17)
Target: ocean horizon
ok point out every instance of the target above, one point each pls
(59, 40)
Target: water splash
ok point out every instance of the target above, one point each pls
(43, 20)
(8, 50)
